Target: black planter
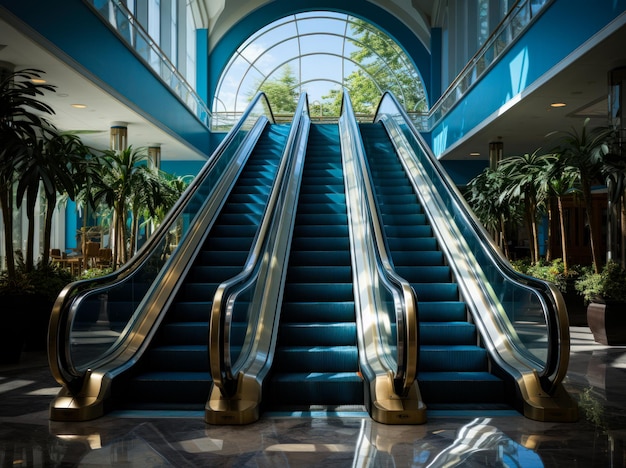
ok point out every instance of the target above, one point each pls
(607, 322)
(13, 320)
(39, 310)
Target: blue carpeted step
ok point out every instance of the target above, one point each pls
(448, 333)
(436, 291)
(461, 387)
(425, 274)
(318, 231)
(320, 274)
(318, 333)
(458, 358)
(328, 258)
(166, 388)
(318, 311)
(442, 311)
(331, 292)
(320, 243)
(319, 388)
(316, 358)
(402, 218)
(421, 257)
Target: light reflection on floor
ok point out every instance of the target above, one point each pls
(330, 438)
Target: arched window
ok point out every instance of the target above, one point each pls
(319, 52)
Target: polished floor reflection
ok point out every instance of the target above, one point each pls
(596, 379)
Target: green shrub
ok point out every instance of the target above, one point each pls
(608, 285)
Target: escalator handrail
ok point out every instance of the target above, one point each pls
(556, 364)
(66, 304)
(406, 310)
(220, 323)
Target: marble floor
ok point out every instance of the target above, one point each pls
(596, 378)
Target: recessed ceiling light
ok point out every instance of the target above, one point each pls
(475, 154)
(558, 104)
(79, 106)
(38, 81)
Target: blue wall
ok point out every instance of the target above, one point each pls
(561, 29)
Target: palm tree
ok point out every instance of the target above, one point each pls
(585, 151)
(131, 188)
(483, 195)
(20, 125)
(526, 178)
(562, 179)
(152, 193)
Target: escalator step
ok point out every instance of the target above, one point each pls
(321, 274)
(461, 387)
(317, 292)
(436, 291)
(442, 311)
(457, 358)
(318, 333)
(317, 358)
(313, 311)
(317, 388)
(448, 333)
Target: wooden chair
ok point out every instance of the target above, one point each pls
(91, 254)
(105, 256)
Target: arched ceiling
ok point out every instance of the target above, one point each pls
(219, 16)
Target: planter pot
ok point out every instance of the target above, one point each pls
(576, 307)
(12, 328)
(607, 322)
(39, 310)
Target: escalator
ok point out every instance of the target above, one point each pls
(316, 356)
(450, 357)
(137, 338)
(174, 371)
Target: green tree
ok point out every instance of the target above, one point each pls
(22, 120)
(49, 169)
(561, 179)
(483, 196)
(131, 188)
(527, 178)
(585, 151)
(282, 92)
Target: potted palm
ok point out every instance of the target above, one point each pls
(605, 293)
(22, 123)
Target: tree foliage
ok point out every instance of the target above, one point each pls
(382, 66)
(282, 92)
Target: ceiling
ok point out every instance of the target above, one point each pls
(102, 109)
(581, 82)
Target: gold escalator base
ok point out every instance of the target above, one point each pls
(241, 408)
(85, 405)
(387, 407)
(540, 406)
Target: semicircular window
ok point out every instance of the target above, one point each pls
(319, 52)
